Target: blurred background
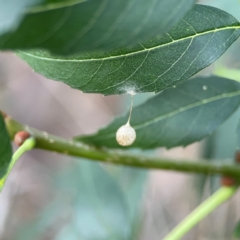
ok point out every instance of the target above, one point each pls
(50, 196)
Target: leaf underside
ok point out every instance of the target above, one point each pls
(201, 37)
(99, 205)
(5, 148)
(176, 117)
(94, 24)
(13, 11)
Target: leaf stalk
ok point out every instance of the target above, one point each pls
(209, 205)
(26, 146)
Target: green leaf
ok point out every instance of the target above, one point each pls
(12, 11)
(133, 183)
(236, 231)
(5, 148)
(238, 135)
(202, 36)
(94, 24)
(46, 5)
(177, 117)
(100, 208)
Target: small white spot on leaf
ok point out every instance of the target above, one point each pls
(128, 89)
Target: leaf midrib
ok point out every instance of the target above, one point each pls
(131, 53)
(179, 110)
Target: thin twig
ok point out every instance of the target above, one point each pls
(74, 148)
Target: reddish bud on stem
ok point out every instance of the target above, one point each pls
(228, 181)
(3, 114)
(237, 157)
(20, 137)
